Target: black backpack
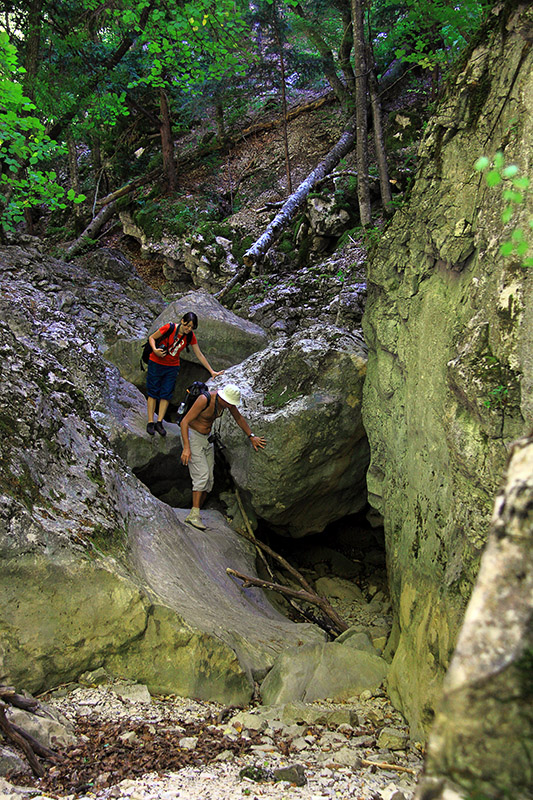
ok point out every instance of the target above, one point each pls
(193, 392)
(145, 355)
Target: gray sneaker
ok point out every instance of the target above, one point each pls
(194, 519)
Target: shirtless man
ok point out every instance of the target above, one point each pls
(198, 452)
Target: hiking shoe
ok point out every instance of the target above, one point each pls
(194, 519)
(150, 428)
(159, 428)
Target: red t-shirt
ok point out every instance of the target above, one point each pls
(174, 344)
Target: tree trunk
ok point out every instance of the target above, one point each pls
(74, 176)
(289, 208)
(379, 140)
(345, 52)
(283, 98)
(33, 43)
(167, 144)
(328, 62)
(219, 117)
(361, 103)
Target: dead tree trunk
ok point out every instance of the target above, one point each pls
(91, 230)
(167, 143)
(279, 43)
(289, 208)
(379, 141)
(361, 104)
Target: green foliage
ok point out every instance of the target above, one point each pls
(426, 33)
(501, 381)
(25, 149)
(514, 187)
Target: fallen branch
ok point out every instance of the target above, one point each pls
(21, 738)
(300, 594)
(9, 695)
(289, 208)
(7, 728)
(383, 765)
(264, 548)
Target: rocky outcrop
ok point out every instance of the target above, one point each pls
(80, 536)
(482, 739)
(201, 259)
(303, 394)
(449, 325)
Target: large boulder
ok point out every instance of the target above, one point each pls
(303, 394)
(224, 338)
(449, 325)
(94, 570)
(318, 671)
(481, 743)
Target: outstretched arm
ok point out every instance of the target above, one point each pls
(203, 360)
(257, 441)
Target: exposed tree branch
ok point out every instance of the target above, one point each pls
(300, 594)
(7, 728)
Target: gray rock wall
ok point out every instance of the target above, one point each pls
(449, 325)
(482, 741)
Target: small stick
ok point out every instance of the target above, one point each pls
(383, 765)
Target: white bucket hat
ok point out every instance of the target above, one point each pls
(231, 394)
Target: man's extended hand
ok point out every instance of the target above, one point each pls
(258, 442)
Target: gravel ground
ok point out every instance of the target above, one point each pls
(129, 745)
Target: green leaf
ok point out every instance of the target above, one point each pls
(521, 183)
(510, 171)
(482, 163)
(507, 215)
(493, 178)
(506, 249)
(499, 160)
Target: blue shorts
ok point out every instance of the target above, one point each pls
(160, 381)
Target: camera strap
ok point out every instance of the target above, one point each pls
(215, 428)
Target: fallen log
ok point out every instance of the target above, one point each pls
(91, 230)
(136, 183)
(289, 208)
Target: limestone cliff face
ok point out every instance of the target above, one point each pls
(482, 741)
(449, 324)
